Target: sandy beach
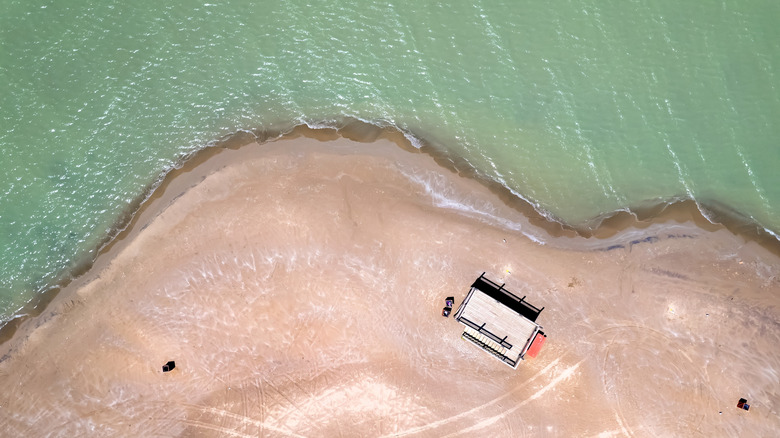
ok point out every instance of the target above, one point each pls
(298, 287)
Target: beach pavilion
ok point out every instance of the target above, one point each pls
(500, 323)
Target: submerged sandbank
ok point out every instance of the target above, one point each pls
(298, 286)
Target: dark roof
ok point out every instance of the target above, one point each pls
(507, 298)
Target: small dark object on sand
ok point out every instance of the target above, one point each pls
(446, 311)
(449, 301)
(169, 366)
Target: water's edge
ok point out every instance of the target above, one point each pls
(709, 216)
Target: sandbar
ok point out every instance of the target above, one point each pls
(298, 286)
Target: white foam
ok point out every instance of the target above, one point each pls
(444, 195)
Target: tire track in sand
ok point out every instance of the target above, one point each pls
(471, 411)
(565, 374)
(244, 421)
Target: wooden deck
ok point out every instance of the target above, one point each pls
(511, 332)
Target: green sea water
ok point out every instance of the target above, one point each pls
(581, 107)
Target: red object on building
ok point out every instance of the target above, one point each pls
(536, 345)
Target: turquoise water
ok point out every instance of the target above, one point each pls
(582, 107)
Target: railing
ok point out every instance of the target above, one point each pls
(489, 349)
(481, 330)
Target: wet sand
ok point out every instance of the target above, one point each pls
(298, 286)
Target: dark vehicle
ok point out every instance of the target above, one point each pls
(448, 303)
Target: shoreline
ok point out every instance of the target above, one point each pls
(298, 286)
(554, 230)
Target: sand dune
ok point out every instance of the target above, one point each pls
(298, 286)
